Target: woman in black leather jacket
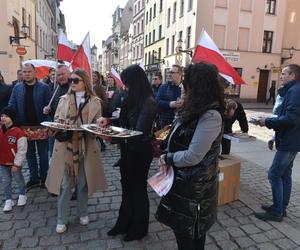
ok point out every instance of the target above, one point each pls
(193, 146)
(137, 112)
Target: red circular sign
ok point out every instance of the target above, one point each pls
(21, 51)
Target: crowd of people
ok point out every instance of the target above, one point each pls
(194, 106)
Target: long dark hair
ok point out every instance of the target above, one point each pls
(203, 91)
(138, 85)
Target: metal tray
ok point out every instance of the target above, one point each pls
(115, 131)
(57, 126)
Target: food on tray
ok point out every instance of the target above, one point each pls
(36, 133)
(163, 135)
(58, 125)
(110, 131)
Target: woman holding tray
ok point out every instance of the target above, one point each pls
(137, 113)
(193, 146)
(76, 160)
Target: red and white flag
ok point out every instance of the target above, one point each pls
(65, 49)
(207, 51)
(82, 57)
(114, 74)
(42, 67)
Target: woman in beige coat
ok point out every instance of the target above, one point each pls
(76, 160)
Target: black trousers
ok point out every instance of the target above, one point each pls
(134, 211)
(186, 243)
(226, 145)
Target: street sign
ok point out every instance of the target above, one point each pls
(21, 51)
(231, 56)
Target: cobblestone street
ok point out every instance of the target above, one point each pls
(33, 227)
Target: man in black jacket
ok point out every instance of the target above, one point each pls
(234, 111)
(5, 92)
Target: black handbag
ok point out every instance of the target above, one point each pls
(63, 136)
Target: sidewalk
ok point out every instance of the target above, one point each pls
(33, 227)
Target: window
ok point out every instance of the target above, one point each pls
(180, 35)
(222, 3)
(142, 26)
(150, 15)
(146, 40)
(159, 32)
(169, 17)
(138, 28)
(29, 25)
(271, 7)
(153, 56)
(190, 5)
(16, 30)
(246, 5)
(268, 40)
(159, 53)
(243, 39)
(173, 44)
(219, 36)
(135, 9)
(139, 6)
(174, 11)
(149, 57)
(134, 30)
(154, 10)
(150, 38)
(160, 5)
(188, 37)
(23, 16)
(153, 34)
(167, 46)
(145, 58)
(147, 17)
(181, 8)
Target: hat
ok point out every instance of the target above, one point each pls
(10, 112)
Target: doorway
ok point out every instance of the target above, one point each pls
(263, 85)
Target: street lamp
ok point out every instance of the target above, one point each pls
(25, 30)
(291, 53)
(179, 49)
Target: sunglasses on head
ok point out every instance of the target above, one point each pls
(74, 80)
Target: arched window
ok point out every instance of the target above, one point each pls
(16, 30)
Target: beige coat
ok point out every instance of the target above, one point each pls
(92, 158)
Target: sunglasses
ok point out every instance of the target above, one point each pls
(155, 78)
(173, 72)
(75, 80)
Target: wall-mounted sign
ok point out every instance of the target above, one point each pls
(231, 56)
(21, 51)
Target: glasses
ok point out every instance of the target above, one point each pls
(75, 80)
(173, 72)
(155, 78)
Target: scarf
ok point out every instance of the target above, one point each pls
(75, 152)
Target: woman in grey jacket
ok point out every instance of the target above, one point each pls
(192, 151)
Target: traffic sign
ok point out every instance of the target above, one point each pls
(21, 51)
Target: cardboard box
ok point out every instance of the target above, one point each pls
(229, 179)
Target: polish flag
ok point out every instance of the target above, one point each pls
(207, 51)
(65, 49)
(114, 74)
(82, 57)
(42, 67)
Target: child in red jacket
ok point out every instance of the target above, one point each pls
(13, 148)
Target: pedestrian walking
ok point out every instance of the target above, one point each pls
(13, 148)
(29, 99)
(137, 112)
(271, 93)
(287, 140)
(76, 159)
(193, 147)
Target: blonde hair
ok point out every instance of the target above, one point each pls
(86, 80)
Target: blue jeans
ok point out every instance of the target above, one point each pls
(38, 161)
(7, 180)
(280, 177)
(63, 201)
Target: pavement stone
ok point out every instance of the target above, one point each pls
(33, 226)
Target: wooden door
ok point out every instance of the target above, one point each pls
(263, 85)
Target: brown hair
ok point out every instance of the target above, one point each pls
(86, 80)
(230, 104)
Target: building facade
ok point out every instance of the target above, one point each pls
(154, 38)
(14, 17)
(138, 31)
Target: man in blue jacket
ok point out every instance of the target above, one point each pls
(287, 140)
(168, 94)
(29, 99)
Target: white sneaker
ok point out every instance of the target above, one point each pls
(22, 200)
(61, 228)
(8, 205)
(84, 220)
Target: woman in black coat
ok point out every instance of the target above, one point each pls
(137, 112)
(193, 146)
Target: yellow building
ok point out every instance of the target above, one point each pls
(154, 37)
(16, 17)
